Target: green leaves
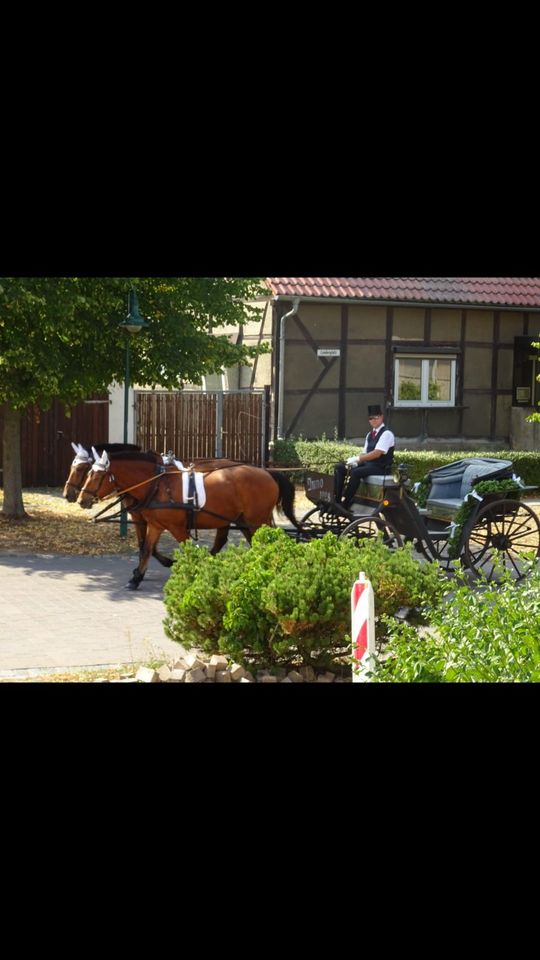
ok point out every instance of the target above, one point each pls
(61, 337)
(283, 601)
(470, 504)
(479, 636)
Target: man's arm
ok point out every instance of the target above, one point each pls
(374, 455)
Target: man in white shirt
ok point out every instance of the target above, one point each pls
(377, 457)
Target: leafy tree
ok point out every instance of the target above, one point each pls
(535, 417)
(60, 338)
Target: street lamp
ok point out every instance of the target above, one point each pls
(132, 325)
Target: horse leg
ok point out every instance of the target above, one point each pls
(244, 529)
(140, 530)
(162, 559)
(152, 536)
(255, 524)
(222, 534)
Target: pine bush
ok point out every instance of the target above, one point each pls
(283, 602)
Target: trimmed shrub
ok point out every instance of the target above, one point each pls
(283, 602)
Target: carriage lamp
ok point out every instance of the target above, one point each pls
(132, 324)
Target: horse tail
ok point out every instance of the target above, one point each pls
(285, 501)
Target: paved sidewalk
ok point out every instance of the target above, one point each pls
(58, 612)
(65, 611)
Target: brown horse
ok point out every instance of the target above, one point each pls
(84, 460)
(240, 495)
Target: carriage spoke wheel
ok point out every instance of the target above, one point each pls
(504, 531)
(320, 520)
(368, 528)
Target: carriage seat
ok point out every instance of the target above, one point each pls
(451, 484)
(372, 487)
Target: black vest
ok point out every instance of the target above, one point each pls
(385, 462)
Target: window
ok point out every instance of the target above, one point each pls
(424, 381)
(526, 369)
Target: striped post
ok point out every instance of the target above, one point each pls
(363, 627)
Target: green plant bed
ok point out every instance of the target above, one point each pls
(283, 603)
(489, 635)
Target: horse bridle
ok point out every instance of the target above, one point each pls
(79, 487)
(106, 472)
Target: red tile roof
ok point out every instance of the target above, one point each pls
(520, 292)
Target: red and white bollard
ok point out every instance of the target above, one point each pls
(363, 627)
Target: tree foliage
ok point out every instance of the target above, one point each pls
(61, 337)
(535, 417)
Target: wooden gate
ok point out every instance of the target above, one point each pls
(46, 436)
(211, 424)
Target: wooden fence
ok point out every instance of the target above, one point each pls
(212, 424)
(46, 436)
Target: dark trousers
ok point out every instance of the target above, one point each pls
(356, 475)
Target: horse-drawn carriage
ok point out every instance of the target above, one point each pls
(473, 508)
(473, 512)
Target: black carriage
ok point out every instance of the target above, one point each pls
(487, 531)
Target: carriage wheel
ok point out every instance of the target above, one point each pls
(441, 553)
(503, 532)
(320, 520)
(368, 528)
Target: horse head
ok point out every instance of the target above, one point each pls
(96, 475)
(77, 473)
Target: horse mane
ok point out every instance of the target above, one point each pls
(137, 455)
(114, 447)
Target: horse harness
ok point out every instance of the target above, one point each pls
(191, 506)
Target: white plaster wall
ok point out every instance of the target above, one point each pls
(116, 414)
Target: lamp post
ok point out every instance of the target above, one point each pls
(132, 324)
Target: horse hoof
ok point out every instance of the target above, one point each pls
(132, 585)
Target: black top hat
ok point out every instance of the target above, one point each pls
(374, 410)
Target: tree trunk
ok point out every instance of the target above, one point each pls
(13, 501)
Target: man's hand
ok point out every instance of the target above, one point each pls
(352, 462)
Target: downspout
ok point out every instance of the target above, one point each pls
(281, 391)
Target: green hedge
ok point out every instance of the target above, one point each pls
(322, 454)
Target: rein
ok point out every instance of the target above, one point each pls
(106, 509)
(121, 493)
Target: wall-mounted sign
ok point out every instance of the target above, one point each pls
(327, 352)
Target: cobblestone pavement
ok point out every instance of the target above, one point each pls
(75, 611)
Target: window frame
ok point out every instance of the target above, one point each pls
(424, 400)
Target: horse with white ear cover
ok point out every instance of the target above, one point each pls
(101, 462)
(81, 454)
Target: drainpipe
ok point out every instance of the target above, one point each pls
(291, 313)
